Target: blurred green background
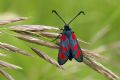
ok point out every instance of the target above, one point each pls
(100, 15)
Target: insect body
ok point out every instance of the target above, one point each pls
(69, 46)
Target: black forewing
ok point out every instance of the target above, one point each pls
(63, 50)
(75, 48)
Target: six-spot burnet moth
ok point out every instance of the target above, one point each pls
(69, 46)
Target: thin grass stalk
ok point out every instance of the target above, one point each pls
(5, 74)
(47, 58)
(51, 45)
(36, 41)
(8, 65)
(38, 30)
(14, 49)
(34, 28)
(101, 69)
(4, 22)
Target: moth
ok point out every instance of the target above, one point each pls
(69, 46)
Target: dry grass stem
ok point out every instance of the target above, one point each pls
(91, 63)
(101, 69)
(12, 20)
(5, 74)
(51, 45)
(14, 49)
(35, 28)
(47, 58)
(37, 41)
(11, 48)
(49, 34)
(46, 34)
(87, 54)
(8, 65)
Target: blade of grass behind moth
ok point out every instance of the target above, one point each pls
(49, 34)
(36, 41)
(54, 35)
(35, 34)
(45, 43)
(42, 33)
(46, 34)
(28, 33)
(101, 69)
(34, 28)
(12, 20)
(14, 49)
(47, 58)
(38, 28)
(8, 65)
(5, 74)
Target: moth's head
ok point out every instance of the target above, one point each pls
(66, 27)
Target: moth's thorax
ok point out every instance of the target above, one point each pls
(67, 33)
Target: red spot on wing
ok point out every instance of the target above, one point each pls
(75, 47)
(69, 46)
(62, 56)
(63, 37)
(78, 54)
(73, 36)
(64, 49)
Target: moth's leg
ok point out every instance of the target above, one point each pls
(56, 38)
(61, 29)
(58, 35)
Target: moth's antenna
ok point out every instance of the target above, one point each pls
(54, 11)
(76, 16)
